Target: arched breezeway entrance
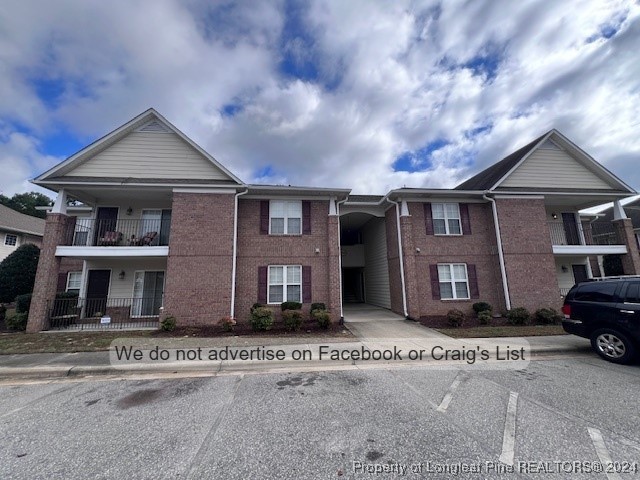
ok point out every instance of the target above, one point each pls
(365, 268)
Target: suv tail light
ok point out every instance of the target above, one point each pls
(566, 309)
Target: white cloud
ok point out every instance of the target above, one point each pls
(391, 78)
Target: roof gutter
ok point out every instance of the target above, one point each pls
(234, 259)
(503, 270)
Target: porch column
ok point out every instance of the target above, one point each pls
(409, 261)
(46, 285)
(334, 281)
(630, 260)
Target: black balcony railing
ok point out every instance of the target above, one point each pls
(593, 233)
(118, 233)
(104, 313)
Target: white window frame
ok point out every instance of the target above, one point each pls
(67, 288)
(446, 218)
(285, 204)
(454, 280)
(6, 240)
(284, 284)
(134, 299)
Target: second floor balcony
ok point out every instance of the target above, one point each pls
(144, 232)
(596, 237)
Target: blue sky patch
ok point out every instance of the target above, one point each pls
(231, 109)
(418, 160)
(49, 90)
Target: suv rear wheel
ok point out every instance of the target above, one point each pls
(612, 345)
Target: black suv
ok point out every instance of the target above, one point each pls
(608, 313)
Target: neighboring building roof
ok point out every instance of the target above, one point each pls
(20, 223)
(488, 177)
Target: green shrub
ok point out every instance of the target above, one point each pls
(290, 306)
(547, 316)
(482, 307)
(292, 319)
(484, 317)
(18, 272)
(256, 305)
(228, 323)
(67, 295)
(322, 317)
(168, 324)
(17, 322)
(455, 317)
(261, 319)
(3, 312)
(518, 316)
(23, 303)
(318, 306)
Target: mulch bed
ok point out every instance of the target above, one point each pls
(441, 321)
(277, 330)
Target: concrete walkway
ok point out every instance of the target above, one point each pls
(368, 322)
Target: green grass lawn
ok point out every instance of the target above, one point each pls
(503, 331)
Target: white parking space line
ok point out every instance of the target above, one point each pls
(602, 452)
(449, 395)
(509, 437)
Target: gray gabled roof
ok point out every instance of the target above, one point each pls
(20, 223)
(488, 177)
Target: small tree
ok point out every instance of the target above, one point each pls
(18, 272)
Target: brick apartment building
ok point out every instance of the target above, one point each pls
(165, 229)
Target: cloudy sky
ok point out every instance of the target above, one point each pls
(369, 95)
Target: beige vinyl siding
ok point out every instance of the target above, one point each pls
(6, 250)
(376, 270)
(565, 279)
(124, 288)
(150, 155)
(553, 169)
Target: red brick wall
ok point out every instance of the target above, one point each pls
(479, 249)
(528, 254)
(198, 283)
(631, 260)
(46, 284)
(256, 250)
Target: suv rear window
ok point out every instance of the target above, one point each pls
(596, 292)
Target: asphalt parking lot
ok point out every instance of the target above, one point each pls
(563, 417)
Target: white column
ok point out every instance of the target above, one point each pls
(60, 205)
(333, 210)
(404, 208)
(618, 211)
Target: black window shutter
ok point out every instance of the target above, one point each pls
(464, 219)
(435, 281)
(306, 217)
(473, 281)
(262, 284)
(264, 217)
(62, 282)
(428, 218)
(306, 284)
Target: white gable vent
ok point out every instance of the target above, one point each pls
(154, 126)
(549, 145)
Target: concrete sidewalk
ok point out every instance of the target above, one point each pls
(51, 365)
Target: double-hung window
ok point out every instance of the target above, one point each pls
(285, 217)
(285, 283)
(446, 218)
(74, 281)
(454, 281)
(10, 240)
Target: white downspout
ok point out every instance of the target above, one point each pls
(503, 271)
(340, 256)
(235, 252)
(401, 256)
